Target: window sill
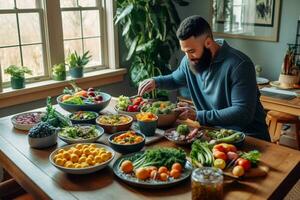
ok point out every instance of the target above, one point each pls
(40, 90)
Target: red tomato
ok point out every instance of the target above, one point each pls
(231, 147)
(219, 154)
(130, 108)
(219, 147)
(246, 164)
(135, 108)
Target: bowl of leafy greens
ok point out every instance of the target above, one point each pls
(83, 117)
(80, 133)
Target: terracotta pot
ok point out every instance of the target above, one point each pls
(288, 80)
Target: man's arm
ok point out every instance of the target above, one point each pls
(243, 97)
(175, 80)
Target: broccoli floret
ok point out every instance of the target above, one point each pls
(183, 129)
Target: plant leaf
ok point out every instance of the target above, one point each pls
(125, 12)
(132, 47)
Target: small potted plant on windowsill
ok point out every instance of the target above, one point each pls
(17, 75)
(59, 72)
(76, 63)
(289, 73)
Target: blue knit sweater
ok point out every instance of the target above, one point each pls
(225, 93)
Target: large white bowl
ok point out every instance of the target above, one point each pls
(90, 140)
(86, 170)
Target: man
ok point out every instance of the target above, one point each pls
(221, 81)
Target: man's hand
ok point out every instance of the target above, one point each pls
(186, 113)
(146, 86)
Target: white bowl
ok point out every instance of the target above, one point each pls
(24, 127)
(86, 170)
(131, 114)
(90, 140)
(43, 142)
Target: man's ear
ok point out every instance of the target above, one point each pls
(208, 42)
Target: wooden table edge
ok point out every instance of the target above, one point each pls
(26, 180)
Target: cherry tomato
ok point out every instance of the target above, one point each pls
(220, 163)
(238, 171)
(219, 154)
(130, 108)
(135, 108)
(246, 164)
(219, 147)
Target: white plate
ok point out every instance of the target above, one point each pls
(261, 81)
(99, 129)
(86, 170)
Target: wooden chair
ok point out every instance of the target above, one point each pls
(275, 121)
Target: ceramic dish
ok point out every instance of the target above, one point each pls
(99, 132)
(152, 184)
(85, 170)
(26, 121)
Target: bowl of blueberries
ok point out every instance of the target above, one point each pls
(42, 135)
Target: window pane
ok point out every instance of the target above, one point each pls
(7, 4)
(26, 4)
(90, 23)
(30, 28)
(93, 45)
(9, 34)
(33, 59)
(71, 24)
(71, 46)
(68, 3)
(87, 3)
(9, 56)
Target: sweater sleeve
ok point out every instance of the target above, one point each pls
(175, 80)
(243, 98)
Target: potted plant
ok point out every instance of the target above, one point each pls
(149, 31)
(59, 72)
(289, 73)
(17, 74)
(76, 63)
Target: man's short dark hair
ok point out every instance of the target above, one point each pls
(193, 26)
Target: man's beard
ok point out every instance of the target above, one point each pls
(201, 63)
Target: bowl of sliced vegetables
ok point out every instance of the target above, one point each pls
(224, 136)
(113, 123)
(80, 133)
(129, 106)
(94, 157)
(164, 111)
(127, 141)
(83, 117)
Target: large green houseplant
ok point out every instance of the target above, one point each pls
(17, 74)
(149, 32)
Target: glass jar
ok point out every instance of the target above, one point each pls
(207, 184)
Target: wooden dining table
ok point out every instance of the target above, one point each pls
(33, 171)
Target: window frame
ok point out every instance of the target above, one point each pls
(52, 37)
(38, 10)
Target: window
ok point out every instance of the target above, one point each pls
(22, 39)
(81, 28)
(34, 30)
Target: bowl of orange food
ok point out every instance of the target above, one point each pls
(82, 158)
(112, 123)
(147, 123)
(127, 141)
